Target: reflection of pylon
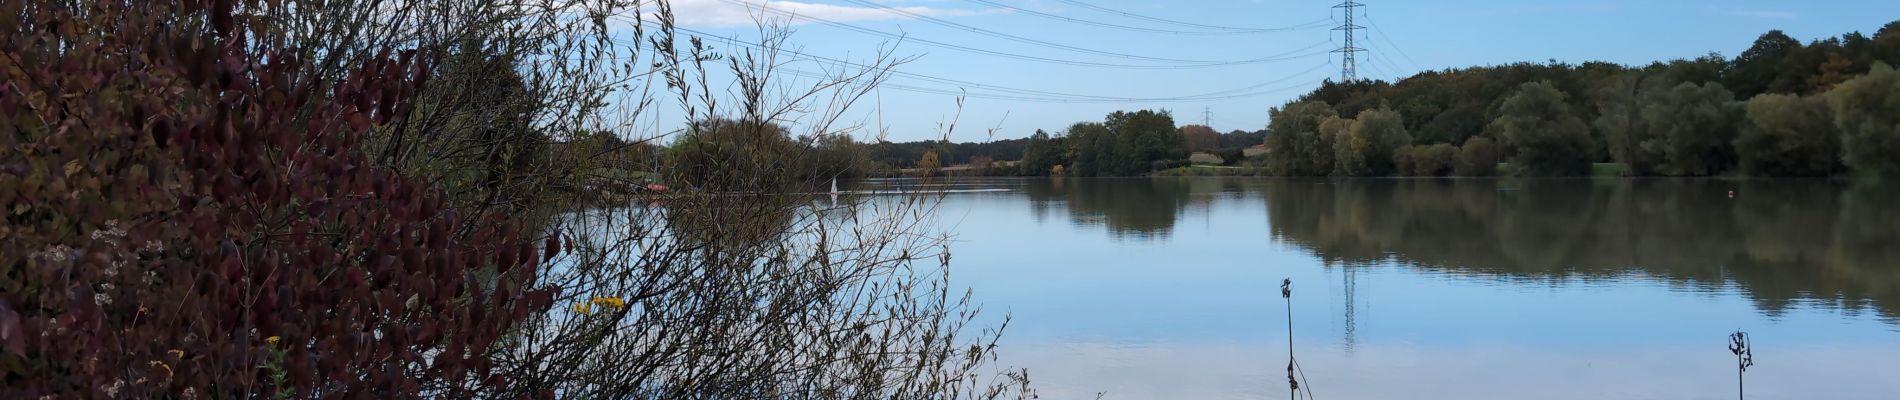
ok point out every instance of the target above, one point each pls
(1348, 62)
(1352, 283)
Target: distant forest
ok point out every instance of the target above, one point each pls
(906, 154)
(1780, 108)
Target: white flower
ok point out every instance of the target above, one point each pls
(113, 390)
(112, 231)
(55, 253)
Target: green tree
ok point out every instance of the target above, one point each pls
(1366, 147)
(1094, 148)
(836, 156)
(1326, 155)
(1696, 125)
(1296, 145)
(1453, 126)
(1756, 69)
(1870, 128)
(1620, 123)
(1538, 125)
(1886, 44)
(1789, 135)
(708, 156)
(1478, 157)
(1043, 154)
(1143, 137)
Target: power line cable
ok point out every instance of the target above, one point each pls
(1289, 55)
(1184, 23)
(1019, 94)
(1015, 38)
(974, 50)
(1308, 25)
(1131, 100)
(1395, 46)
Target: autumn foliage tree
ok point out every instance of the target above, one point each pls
(1200, 138)
(186, 214)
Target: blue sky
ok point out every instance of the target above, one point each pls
(1404, 37)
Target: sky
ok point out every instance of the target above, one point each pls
(1024, 64)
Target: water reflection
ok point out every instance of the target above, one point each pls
(1782, 241)
(1129, 208)
(1476, 289)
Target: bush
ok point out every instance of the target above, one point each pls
(1436, 160)
(1869, 126)
(1404, 158)
(1536, 122)
(1231, 156)
(1478, 157)
(216, 231)
(1432, 160)
(1789, 135)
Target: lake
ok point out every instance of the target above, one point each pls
(1169, 288)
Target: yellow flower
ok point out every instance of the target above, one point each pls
(273, 340)
(611, 302)
(583, 308)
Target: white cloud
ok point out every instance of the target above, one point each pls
(727, 13)
(1766, 14)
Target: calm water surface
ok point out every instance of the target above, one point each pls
(1430, 289)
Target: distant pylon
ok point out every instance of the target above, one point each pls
(1349, 62)
(1207, 116)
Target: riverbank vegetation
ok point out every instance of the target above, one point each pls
(1781, 108)
(365, 199)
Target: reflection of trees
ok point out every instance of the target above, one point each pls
(1781, 241)
(1128, 207)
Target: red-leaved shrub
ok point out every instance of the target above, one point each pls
(184, 213)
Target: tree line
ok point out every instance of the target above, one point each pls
(1781, 108)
